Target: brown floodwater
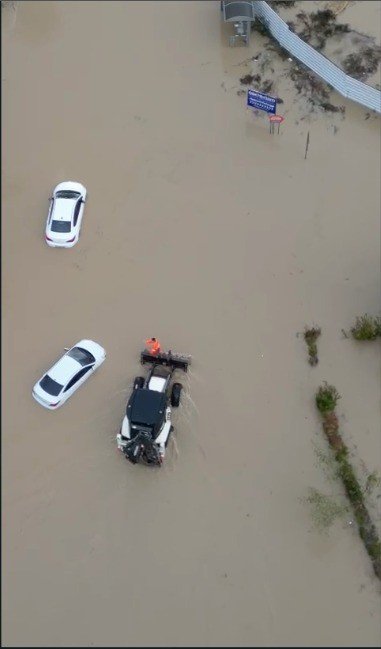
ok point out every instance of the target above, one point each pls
(221, 240)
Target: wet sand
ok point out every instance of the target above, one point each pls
(222, 241)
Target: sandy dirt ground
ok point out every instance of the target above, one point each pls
(204, 230)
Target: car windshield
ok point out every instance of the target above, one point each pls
(50, 386)
(67, 194)
(81, 355)
(60, 226)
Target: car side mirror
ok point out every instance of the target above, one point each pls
(66, 349)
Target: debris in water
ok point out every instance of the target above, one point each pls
(267, 85)
(361, 64)
(281, 3)
(248, 79)
(331, 108)
(319, 26)
(308, 84)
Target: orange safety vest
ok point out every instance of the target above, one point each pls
(153, 346)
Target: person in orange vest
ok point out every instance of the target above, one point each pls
(153, 346)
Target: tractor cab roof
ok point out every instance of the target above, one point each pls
(146, 407)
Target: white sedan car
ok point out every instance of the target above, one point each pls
(65, 215)
(65, 377)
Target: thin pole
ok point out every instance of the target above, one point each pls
(307, 144)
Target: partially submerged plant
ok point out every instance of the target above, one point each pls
(324, 509)
(373, 481)
(260, 27)
(317, 27)
(308, 83)
(311, 334)
(281, 3)
(361, 64)
(249, 79)
(326, 398)
(255, 80)
(325, 459)
(267, 85)
(327, 106)
(366, 327)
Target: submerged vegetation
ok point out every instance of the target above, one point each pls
(325, 509)
(373, 481)
(256, 82)
(281, 3)
(317, 27)
(366, 327)
(361, 64)
(326, 400)
(311, 335)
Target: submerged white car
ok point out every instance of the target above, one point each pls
(65, 377)
(65, 215)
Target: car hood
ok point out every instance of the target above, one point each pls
(71, 185)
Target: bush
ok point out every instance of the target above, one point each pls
(326, 398)
(366, 327)
(310, 336)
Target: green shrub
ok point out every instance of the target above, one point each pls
(366, 327)
(311, 334)
(326, 398)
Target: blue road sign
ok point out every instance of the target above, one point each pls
(260, 100)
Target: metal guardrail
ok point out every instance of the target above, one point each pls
(318, 63)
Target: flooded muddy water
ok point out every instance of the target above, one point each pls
(221, 240)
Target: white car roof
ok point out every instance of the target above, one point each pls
(63, 209)
(64, 369)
